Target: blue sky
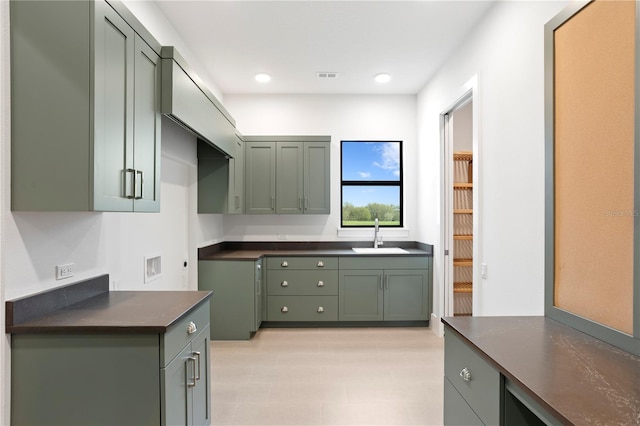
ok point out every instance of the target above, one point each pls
(371, 161)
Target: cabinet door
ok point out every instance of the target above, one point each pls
(259, 294)
(114, 111)
(317, 194)
(176, 398)
(147, 128)
(201, 390)
(289, 178)
(406, 295)
(236, 180)
(260, 177)
(361, 295)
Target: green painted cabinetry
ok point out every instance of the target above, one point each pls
(287, 175)
(237, 304)
(85, 112)
(128, 378)
(384, 289)
(302, 288)
(220, 179)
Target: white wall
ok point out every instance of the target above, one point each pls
(506, 52)
(343, 117)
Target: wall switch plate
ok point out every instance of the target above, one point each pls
(483, 271)
(64, 271)
(152, 268)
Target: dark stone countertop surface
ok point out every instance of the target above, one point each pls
(575, 377)
(256, 250)
(100, 312)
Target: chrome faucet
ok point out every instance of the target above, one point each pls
(377, 240)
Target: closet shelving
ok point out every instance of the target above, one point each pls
(462, 232)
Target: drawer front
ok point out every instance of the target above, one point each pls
(177, 336)
(311, 262)
(302, 308)
(382, 262)
(481, 389)
(456, 410)
(302, 283)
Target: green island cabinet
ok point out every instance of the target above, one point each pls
(85, 108)
(105, 378)
(237, 304)
(287, 174)
(384, 288)
(302, 288)
(220, 179)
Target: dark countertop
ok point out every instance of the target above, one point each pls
(575, 377)
(256, 250)
(104, 312)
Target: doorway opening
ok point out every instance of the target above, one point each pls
(460, 209)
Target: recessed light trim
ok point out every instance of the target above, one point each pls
(382, 78)
(262, 77)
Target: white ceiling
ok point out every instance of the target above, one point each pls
(293, 40)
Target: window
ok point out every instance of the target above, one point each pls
(371, 183)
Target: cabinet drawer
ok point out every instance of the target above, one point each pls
(177, 336)
(456, 410)
(302, 308)
(481, 389)
(312, 262)
(389, 262)
(303, 283)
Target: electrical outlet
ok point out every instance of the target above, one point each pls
(64, 271)
(282, 236)
(483, 270)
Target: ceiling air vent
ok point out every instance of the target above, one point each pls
(327, 75)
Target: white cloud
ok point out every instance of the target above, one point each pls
(389, 157)
(364, 174)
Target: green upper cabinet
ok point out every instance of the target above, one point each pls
(220, 179)
(85, 109)
(287, 175)
(260, 177)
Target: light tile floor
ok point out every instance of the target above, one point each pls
(329, 376)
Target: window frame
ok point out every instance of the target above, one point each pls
(374, 183)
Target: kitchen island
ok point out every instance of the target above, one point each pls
(83, 355)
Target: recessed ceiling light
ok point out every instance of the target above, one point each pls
(263, 78)
(382, 78)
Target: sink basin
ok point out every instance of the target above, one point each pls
(379, 250)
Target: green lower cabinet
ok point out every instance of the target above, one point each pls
(237, 305)
(384, 295)
(135, 379)
(185, 381)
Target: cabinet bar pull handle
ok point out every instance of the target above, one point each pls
(306, 203)
(284, 264)
(141, 173)
(132, 195)
(320, 284)
(381, 282)
(320, 309)
(191, 360)
(299, 203)
(284, 284)
(273, 203)
(197, 375)
(284, 309)
(386, 282)
(465, 374)
(320, 264)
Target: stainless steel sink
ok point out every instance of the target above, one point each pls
(379, 250)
